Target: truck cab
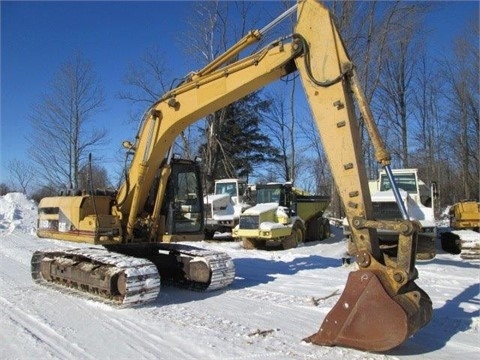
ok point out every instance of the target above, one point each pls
(418, 199)
(223, 208)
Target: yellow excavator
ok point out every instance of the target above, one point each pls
(159, 204)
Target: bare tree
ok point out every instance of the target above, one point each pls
(428, 151)
(207, 39)
(63, 134)
(398, 70)
(463, 118)
(217, 26)
(316, 167)
(21, 173)
(281, 132)
(147, 80)
(374, 33)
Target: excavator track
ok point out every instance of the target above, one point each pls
(185, 266)
(221, 265)
(470, 247)
(129, 274)
(97, 274)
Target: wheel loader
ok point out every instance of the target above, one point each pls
(135, 233)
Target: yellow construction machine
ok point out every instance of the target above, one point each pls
(159, 203)
(464, 236)
(283, 216)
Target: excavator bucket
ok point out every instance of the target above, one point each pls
(367, 318)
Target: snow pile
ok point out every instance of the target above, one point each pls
(468, 235)
(17, 212)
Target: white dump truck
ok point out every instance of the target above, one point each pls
(418, 199)
(223, 208)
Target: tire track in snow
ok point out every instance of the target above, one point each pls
(54, 343)
(140, 338)
(217, 330)
(147, 339)
(242, 338)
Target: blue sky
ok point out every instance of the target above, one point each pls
(37, 37)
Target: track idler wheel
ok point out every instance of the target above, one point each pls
(367, 318)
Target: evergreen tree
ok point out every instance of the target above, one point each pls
(238, 141)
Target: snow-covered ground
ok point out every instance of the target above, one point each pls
(264, 314)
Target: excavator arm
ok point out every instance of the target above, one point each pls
(202, 94)
(381, 306)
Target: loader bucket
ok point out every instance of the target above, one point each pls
(367, 318)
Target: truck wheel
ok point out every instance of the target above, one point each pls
(450, 243)
(249, 243)
(209, 234)
(294, 239)
(425, 248)
(313, 228)
(326, 229)
(316, 229)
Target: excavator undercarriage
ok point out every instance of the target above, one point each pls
(129, 275)
(97, 274)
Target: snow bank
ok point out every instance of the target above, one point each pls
(17, 212)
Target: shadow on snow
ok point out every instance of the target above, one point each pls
(252, 272)
(249, 272)
(447, 321)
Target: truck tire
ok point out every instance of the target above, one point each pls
(326, 229)
(450, 243)
(209, 234)
(249, 243)
(296, 237)
(317, 229)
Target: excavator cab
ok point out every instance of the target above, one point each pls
(181, 205)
